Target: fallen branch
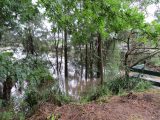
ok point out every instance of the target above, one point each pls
(154, 53)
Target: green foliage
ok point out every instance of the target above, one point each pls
(113, 61)
(39, 75)
(82, 20)
(7, 8)
(51, 117)
(32, 97)
(11, 115)
(30, 68)
(6, 115)
(89, 17)
(7, 65)
(117, 86)
(155, 60)
(42, 47)
(142, 86)
(95, 93)
(48, 93)
(34, 70)
(122, 84)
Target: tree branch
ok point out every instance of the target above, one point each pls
(146, 57)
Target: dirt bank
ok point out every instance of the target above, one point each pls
(142, 106)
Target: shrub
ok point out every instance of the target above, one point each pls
(95, 93)
(11, 115)
(122, 84)
(143, 85)
(117, 86)
(6, 115)
(49, 93)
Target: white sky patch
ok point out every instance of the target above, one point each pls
(47, 24)
(151, 9)
(42, 10)
(34, 2)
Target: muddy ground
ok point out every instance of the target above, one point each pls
(134, 106)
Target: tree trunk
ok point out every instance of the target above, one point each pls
(7, 86)
(86, 62)
(29, 43)
(61, 54)
(66, 61)
(1, 90)
(57, 64)
(100, 59)
(126, 67)
(91, 60)
(126, 59)
(65, 54)
(66, 86)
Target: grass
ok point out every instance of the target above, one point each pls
(155, 60)
(9, 114)
(119, 86)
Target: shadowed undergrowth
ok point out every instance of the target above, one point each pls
(118, 86)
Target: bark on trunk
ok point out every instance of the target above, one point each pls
(30, 46)
(126, 60)
(86, 62)
(100, 59)
(61, 54)
(91, 60)
(57, 64)
(1, 90)
(7, 86)
(65, 54)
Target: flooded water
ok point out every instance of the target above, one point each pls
(76, 83)
(74, 86)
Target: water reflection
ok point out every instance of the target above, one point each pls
(76, 82)
(73, 86)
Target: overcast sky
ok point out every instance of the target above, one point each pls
(151, 10)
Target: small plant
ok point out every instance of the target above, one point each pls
(51, 117)
(121, 85)
(155, 61)
(118, 86)
(49, 93)
(143, 85)
(95, 93)
(7, 115)
(32, 97)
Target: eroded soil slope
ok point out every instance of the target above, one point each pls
(144, 106)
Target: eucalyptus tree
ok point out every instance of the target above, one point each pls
(9, 11)
(85, 19)
(13, 14)
(106, 17)
(30, 20)
(60, 13)
(16, 17)
(141, 43)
